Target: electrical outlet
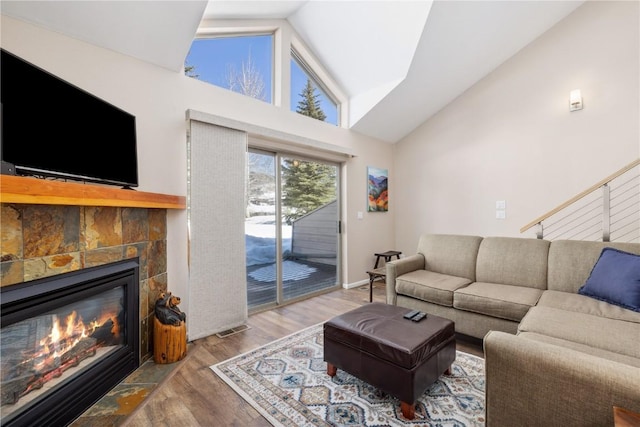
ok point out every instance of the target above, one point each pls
(500, 214)
(501, 204)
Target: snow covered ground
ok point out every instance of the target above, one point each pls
(260, 239)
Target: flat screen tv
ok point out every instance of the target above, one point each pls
(51, 128)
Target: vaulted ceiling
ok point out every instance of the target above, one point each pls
(398, 61)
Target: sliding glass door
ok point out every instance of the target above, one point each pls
(310, 216)
(262, 232)
(291, 228)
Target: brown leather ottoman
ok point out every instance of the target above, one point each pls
(377, 345)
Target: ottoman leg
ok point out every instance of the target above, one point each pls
(408, 411)
(448, 371)
(331, 370)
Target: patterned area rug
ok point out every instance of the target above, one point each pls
(287, 382)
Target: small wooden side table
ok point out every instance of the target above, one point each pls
(625, 418)
(387, 256)
(378, 273)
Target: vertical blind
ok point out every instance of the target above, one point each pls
(217, 269)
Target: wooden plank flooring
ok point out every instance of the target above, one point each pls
(195, 396)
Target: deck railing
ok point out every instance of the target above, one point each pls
(608, 211)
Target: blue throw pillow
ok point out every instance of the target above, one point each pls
(615, 279)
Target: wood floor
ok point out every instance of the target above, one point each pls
(195, 396)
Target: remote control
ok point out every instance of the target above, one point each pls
(410, 314)
(418, 317)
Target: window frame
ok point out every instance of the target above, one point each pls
(295, 57)
(228, 32)
(299, 52)
(285, 39)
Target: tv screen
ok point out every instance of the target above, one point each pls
(51, 128)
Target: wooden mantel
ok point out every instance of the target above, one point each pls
(20, 189)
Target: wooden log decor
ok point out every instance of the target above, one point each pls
(169, 342)
(169, 330)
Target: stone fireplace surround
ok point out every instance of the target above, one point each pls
(51, 227)
(46, 240)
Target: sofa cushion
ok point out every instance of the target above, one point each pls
(571, 261)
(429, 286)
(450, 254)
(497, 300)
(599, 332)
(513, 261)
(587, 305)
(598, 352)
(615, 279)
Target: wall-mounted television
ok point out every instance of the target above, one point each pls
(51, 128)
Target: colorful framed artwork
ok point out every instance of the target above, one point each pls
(377, 189)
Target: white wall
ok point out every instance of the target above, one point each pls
(511, 136)
(159, 99)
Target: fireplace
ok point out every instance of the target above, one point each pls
(66, 340)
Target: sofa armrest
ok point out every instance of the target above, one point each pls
(531, 383)
(399, 267)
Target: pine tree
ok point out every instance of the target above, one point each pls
(309, 105)
(307, 186)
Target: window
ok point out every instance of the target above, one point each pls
(243, 64)
(308, 94)
(252, 60)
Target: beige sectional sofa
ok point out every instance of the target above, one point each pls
(553, 357)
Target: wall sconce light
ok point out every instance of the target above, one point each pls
(575, 100)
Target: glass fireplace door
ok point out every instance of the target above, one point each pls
(66, 340)
(46, 350)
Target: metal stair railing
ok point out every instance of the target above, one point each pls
(607, 211)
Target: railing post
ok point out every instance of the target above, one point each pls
(540, 231)
(606, 213)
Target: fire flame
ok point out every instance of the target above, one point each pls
(57, 343)
(65, 336)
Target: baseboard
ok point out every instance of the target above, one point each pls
(355, 284)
